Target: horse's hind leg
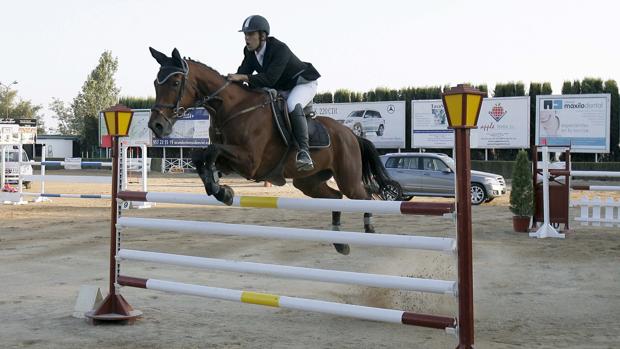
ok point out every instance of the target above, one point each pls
(316, 187)
(351, 186)
(341, 248)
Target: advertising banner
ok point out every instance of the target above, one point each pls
(503, 123)
(429, 125)
(9, 134)
(22, 131)
(191, 130)
(382, 123)
(581, 121)
(139, 132)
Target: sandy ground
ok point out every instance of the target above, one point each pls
(529, 293)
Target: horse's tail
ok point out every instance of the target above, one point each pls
(374, 175)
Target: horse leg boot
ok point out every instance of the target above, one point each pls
(341, 248)
(368, 226)
(303, 160)
(204, 161)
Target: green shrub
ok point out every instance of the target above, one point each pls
(522, 193)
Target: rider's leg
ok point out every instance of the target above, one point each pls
(300, 130)
(299, 97)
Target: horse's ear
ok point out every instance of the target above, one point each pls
(176, 56)
(159, 57)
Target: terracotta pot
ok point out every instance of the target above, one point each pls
(521, 224)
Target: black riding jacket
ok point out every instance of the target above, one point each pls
(281, 69)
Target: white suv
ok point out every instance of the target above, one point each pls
(364, 121)
(12, 170)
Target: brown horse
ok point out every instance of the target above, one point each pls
(245, 140)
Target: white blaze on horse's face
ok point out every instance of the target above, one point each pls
(252, 41)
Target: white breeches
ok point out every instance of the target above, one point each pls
(300, 94)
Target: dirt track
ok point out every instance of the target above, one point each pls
(528, 293)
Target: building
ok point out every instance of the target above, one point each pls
(58, 146)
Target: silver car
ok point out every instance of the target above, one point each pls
(432, 174)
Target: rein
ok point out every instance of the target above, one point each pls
(179, 111)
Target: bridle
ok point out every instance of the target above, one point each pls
(177, 110)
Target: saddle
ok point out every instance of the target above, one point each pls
(318, 135)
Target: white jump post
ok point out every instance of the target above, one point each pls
(143, 171)
(43, 197)
(20, 182)
(546, 230)
(42, 177)
(3, 163)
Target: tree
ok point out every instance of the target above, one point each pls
(68, 124)
(13, 107)
(137, 102)
(98, 93)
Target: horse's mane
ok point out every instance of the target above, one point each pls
(243, 86)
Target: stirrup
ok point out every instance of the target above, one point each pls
(303, 163)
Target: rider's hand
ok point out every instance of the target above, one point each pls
(238, 77)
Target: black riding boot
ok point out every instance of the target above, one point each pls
(300, 131)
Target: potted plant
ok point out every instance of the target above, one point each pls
(522, 193)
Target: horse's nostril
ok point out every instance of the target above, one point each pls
(159, 127)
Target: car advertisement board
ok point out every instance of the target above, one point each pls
(503, 123)
(581, 121)
(382, 123)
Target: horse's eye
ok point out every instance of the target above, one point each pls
(176, 83)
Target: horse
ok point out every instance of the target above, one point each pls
(244, 139)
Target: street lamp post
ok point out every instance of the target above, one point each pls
(7, 89)
(462, 105)
(114, 307)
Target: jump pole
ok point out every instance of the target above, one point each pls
(114, 307)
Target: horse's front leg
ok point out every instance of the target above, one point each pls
(204, 161)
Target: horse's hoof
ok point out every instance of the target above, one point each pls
(225, 195)
(369, 228)
(342, 249)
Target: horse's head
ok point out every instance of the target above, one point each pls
(174, 92)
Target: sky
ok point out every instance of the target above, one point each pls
(50, 47)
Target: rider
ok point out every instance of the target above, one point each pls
(278, 68)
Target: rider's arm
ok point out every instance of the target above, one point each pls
(246, 66)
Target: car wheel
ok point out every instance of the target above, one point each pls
(478, 195)
(357, 130)
(380, 130)
(392, 191)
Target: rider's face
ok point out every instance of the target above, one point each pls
(252, 41)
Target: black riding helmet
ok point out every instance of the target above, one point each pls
(255, 23)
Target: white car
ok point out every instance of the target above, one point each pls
(365, 121)
(12, 171)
